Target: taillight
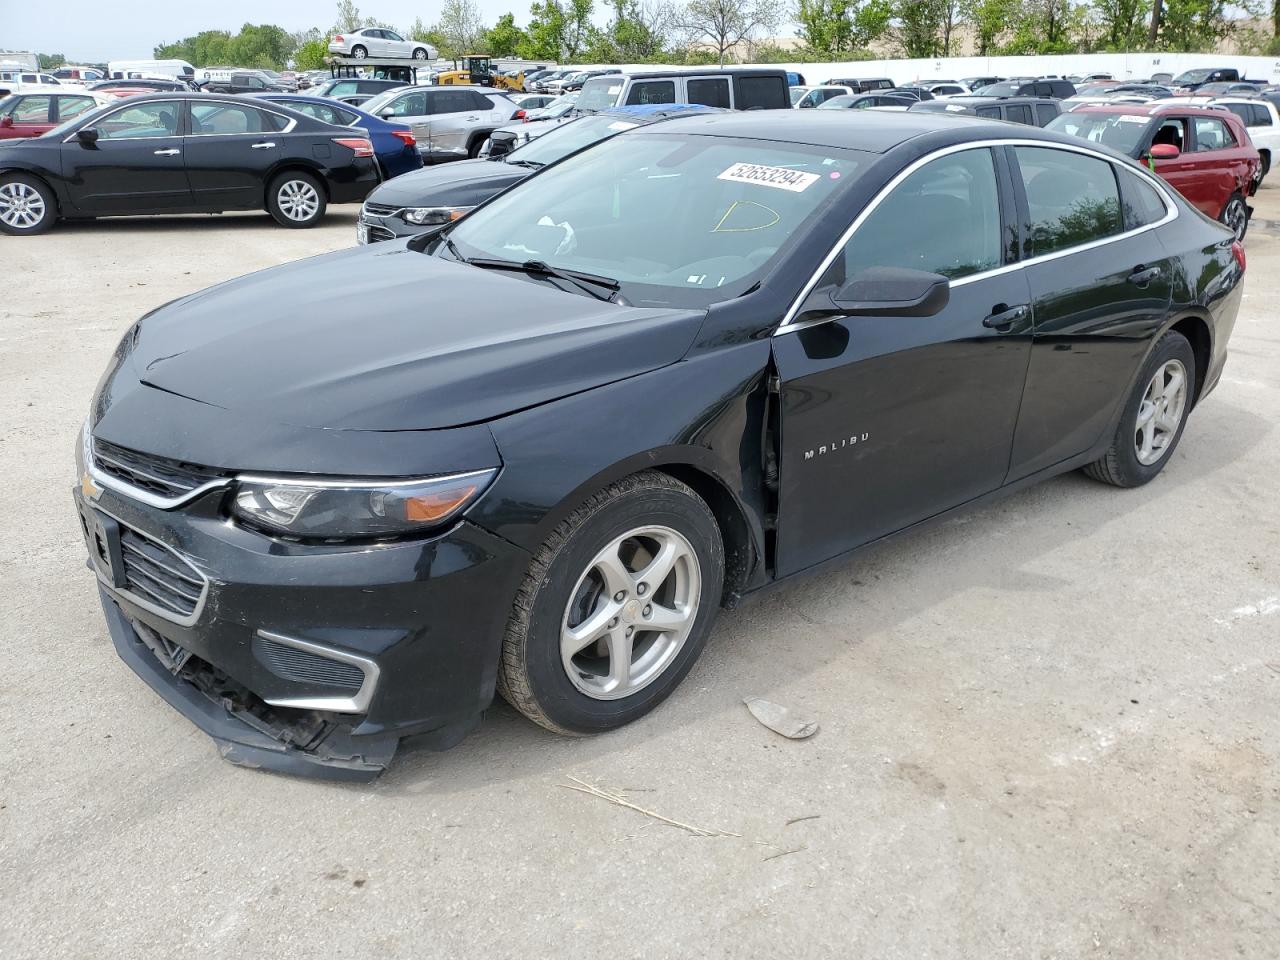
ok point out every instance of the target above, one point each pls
(1237, 251)
(406, 136)
(338, 38)
(360, 146)
(519, 115)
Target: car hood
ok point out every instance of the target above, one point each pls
(385, 338)
(450, 183)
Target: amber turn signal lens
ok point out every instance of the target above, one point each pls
(429, 507)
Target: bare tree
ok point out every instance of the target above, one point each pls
(724, 24)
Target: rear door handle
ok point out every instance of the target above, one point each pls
(1141, 275)
(171, 152)
(1008, 316)
(264, 146)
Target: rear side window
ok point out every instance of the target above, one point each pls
(713, 92)
(1142, 204)
(69, 107)
(1044, 113)
(652, 91)
(1071, 198)
(1261, 116)
(344, 88)
(1212, 134)
(992, 112)
(227, 118)
(944, 218)
(762, 93)
(450, 101)
(1018, 113)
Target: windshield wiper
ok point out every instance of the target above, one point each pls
(531, 164)
(453, 249)
(540, 268)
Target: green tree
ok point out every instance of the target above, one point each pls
(989, 20)
(348, 17)
(725, 25)
(918, 26)
(310, 55)
(1188, 25)
(50, 61)
(1123, 23)
(459, 28)
(504, 37)
(544, 36)
(830, 27)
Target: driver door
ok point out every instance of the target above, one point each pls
(888, 420)
(135, 166)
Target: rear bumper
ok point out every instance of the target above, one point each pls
(352, 183)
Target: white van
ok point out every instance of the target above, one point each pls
(150, 69)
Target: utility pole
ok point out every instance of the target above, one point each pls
(1157, 8)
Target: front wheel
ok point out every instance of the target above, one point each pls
(419, 54)
(1235, 216)
(27, 206)
(1152, 423)
(615, 608)
(296, 199)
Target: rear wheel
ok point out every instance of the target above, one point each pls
(296, 199)
(1153, 420)
(473, 148)
(1235, 215)
(27, 205)
(359, 52)
(615, 608)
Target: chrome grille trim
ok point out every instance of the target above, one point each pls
(100, 466)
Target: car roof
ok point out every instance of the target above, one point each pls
(976, 101)
(704, 71)
(867, 130)
(1150, 109)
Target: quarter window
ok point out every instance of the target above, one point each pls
(944, 218)
(652, 91)
(1212, 134)
(1071, 198)
(710, 93)
(1142, 204)
(156, 118)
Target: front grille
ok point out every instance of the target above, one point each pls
(157, 574)
(379, 209)
(158, 475)
(302, 666)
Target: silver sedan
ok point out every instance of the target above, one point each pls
(379, 43)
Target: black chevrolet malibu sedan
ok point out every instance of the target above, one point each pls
(697, 358)
(183, 153)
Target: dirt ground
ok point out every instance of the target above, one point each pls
(1049, 727)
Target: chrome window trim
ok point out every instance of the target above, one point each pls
(127, 106)
(137, 493)
(1171, 213)
(357, 703)
(143, 602)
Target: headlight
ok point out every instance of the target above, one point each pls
(354, 509)
(424, 215)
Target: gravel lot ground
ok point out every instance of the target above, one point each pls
(1048, 727)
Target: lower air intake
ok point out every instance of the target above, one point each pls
(303, 666)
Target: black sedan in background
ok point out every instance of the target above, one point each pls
(698, 357)
(423, 200)
(194, 153)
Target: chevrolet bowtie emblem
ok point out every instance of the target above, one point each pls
(87, 487)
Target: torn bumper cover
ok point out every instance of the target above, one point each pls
(247, 731)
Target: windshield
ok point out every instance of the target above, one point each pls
(600, 93)
(380, 100)
(567, 139)
(677, 220)
(797, 93)
(1192, 76)
(1119, 131)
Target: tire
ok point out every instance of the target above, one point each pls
(296, 199)
(1235, 215)
(358, 52)
(565, 588)
(473, 147)
(27, 205)
(419, 53)
(1125, 464)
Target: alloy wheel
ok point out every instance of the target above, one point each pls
(1236, 217)
(630, 613)
(419, 54)
(298, 200)
(1160, 412)
(21, 206)
(359, 53)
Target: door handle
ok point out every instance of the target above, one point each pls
(1008, 316)
(264, 146)
(171, 152)
(1142, 276)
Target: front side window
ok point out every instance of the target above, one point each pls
(389, 35)
(1071, 198)
(943, 218)
(1212, 134)
(157, 118)
(409, 105)
(652, 91)
(682, 221)
(31, 110)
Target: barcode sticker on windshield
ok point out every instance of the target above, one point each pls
(781, 178)
(621, 125)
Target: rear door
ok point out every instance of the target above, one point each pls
(888, 420)
(1217, 165)
(68, 107)
(136, 164)
(1101, 284)
(455, 114)
(230, 150)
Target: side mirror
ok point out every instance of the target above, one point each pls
(893, 292)
(805, 104)
(87, 135)
(1164, 151)
(6, 121)
(387, 113)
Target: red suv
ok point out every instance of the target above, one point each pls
(1206, 154)
(31, 114)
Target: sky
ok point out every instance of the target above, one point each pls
(93, 31)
